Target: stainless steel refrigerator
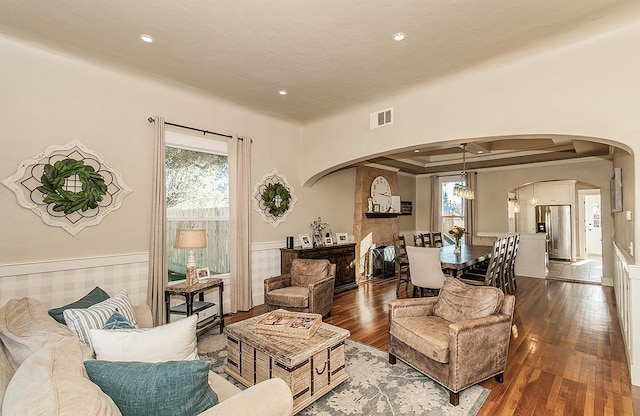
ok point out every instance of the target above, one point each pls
(555, 221)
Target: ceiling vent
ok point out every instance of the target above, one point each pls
(381, 118)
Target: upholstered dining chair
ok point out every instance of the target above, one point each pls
(425, 269)
(308, 287)
(458, 339)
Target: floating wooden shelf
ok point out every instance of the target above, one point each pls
(381, 214)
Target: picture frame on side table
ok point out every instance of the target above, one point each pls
(342, 238)
(305, 241)
(328, 241)
(203, 273)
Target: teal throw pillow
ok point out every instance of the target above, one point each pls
(117, 321)
(171, 388)
(97, 295)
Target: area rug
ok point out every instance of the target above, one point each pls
(374, 387)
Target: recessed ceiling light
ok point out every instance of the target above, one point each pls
(282, 92)
(416, 151)
(146, 38)
(399, 36)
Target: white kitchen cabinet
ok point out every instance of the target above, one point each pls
(554, 192)
(531, 260)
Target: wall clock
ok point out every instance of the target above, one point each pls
(381, 193)
(273, 198)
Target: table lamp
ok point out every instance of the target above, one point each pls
(190, 238)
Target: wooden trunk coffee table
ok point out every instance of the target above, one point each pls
(311, 367)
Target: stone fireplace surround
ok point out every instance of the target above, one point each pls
(368, 231)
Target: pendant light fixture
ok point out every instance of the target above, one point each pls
(461, 189)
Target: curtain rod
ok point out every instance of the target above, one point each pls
(152, 120)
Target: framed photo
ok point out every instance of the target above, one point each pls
(203, 273)
(406, 207)
(343, 238)
(317, 239)
(328, 241)
(376, 207)
(305, 240)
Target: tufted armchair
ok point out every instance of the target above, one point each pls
(458, 339)
(307, 288)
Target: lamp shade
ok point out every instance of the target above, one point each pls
(190, 238)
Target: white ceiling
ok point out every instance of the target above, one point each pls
(328, 54)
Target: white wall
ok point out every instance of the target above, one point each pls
(48, 98)
(583, 85)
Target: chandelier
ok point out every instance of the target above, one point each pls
(460, 189)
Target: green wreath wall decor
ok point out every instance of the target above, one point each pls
(274, 198)
(53, 181)
(275, 206)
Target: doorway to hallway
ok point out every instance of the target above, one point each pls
(589, 224)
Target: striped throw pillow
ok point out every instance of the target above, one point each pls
(80, 321)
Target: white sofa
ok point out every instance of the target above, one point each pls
(42, 371)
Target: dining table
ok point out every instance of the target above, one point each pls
(469, 256)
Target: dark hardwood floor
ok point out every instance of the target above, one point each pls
(566, 355)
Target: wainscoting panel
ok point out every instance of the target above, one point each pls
(59, 282)
(265, 263)
(626, 284)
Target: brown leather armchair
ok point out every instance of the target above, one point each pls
(458, 339)
(308, 287)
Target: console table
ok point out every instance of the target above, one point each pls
(189, 292)
(342, 255)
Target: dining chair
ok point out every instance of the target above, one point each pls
(512, 271)
(491, 276)
(505, 270)
(418, 240)
(436, 239)
(425, 269)
(402, 261)
(426, 239)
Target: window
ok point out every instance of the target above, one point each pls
(197, 190)
(452, 208)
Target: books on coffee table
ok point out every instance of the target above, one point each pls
(289, 324)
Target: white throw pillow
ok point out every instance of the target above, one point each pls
(52, 382)
(176, 341)
(80, 321)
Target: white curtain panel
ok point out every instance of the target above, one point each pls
(240, 223)
(434, 222)
(158, 265)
